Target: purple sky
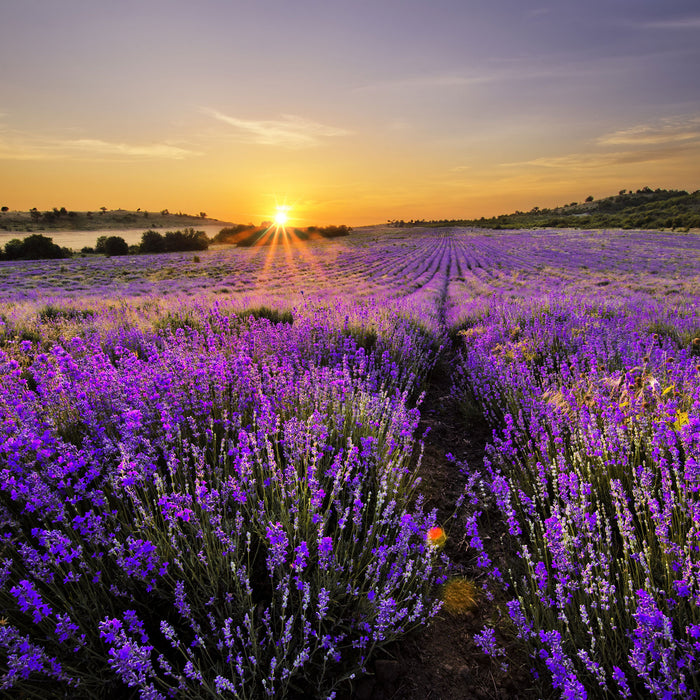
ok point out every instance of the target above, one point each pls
(348, 112)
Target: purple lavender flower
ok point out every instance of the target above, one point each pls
(278, 545)
(29, 600)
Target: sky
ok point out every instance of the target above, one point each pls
(345, 111)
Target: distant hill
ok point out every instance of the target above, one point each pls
(60, 219)
(643, 209)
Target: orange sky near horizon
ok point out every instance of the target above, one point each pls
(349, 114)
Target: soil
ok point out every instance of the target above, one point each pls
(442, 661)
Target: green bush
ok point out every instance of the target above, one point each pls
(152, 242)
(34, 247)
(115, 245)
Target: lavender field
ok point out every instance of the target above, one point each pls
(208, 464)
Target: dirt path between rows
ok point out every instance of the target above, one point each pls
(442, 661)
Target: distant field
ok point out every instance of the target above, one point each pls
(437, 275)
(208, 466)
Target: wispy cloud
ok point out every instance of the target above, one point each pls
(107, 148)
(418, 82)
(290, 131)
(663, 140)
(593, 161)
(663, 132)
(682, 23)
(20, 145)
(491, 72)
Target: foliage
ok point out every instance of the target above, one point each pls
(230, 233)
(188, 239)
(594, 468)
(331, 231)
(643, 209)
(152, 242)
(100, 244)
(34, 247)
(248, 235)
(59, 218)
(173, 241)
(272, 315)
(115, 245)
(223, 515)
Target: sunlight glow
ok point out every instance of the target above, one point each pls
(281, 217)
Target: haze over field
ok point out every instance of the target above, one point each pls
(351, 112)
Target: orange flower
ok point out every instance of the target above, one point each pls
(437, 536)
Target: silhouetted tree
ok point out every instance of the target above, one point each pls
(189, 239)
(152, 242)
(34, 247)
(116, 245)
(13, 249)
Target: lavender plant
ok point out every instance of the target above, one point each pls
(594, 469)
(207, 514)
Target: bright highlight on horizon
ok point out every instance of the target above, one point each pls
(281, 217)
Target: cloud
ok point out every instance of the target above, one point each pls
(663, 140)
(592, 161)
(289, 132)
(447, 80)
(18, 145)
(492, 72)
(154, 150)
(663, 132)
(683, 23)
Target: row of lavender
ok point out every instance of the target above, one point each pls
(595, 469)
(219, 508)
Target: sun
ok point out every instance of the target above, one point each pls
(281, 217)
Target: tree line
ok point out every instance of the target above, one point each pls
(39, 247)
(643, 208)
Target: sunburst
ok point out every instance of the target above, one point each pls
(281, 216)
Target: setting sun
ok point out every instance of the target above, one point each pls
(281, 217)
